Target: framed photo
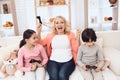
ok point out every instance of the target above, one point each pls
(5, 8)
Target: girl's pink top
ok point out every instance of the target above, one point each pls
(24, 57)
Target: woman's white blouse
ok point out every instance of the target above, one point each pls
(61, 50)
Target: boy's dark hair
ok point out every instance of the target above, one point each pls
(26, 35)
(89, 35)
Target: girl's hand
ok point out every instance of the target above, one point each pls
(84, 67)
(33, 67)
(39, 65)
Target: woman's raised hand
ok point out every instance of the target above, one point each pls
(38, 30)
(39, 27)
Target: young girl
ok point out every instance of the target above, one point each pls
(90, 58)
(31, 57)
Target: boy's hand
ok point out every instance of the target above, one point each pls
(33, 67)
(106, 64)
(97, 69)
(84, 67)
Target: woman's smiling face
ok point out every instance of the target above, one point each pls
(59, 25)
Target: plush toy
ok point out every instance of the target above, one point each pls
(10, 64)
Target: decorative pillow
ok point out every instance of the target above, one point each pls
(114, 56)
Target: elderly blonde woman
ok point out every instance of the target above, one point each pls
(61, 48)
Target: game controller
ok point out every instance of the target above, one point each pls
(90, 67)
(33, 60)
(39, 18)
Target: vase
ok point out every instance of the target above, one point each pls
(112, 2)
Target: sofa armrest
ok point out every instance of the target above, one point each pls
(114, 57)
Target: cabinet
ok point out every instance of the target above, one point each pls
(48, 9)
(8, 20)
(101, 15)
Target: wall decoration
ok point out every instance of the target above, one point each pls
(112, 2)
(52, 2)
(108, 18)
(93, 19)
(5, 8)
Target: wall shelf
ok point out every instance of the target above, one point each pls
(97, 11)
(8, 14)
(50, 11)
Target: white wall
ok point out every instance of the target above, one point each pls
(30, 11)
(77, 13)
(21, 15)
(25, 15)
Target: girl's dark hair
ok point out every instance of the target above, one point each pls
(89, 35)
(26, 35)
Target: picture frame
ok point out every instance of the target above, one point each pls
(5, 8)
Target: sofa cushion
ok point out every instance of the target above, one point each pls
(9, 41)
(114, 56)
(2, 42)
(6, 50)
(76, 75)
(9, 78)
(100, 43)
(111, 38)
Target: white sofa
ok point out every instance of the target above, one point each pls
(109, 41)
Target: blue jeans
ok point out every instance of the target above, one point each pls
(60, 71)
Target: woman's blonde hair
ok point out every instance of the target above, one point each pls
(67, 26)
